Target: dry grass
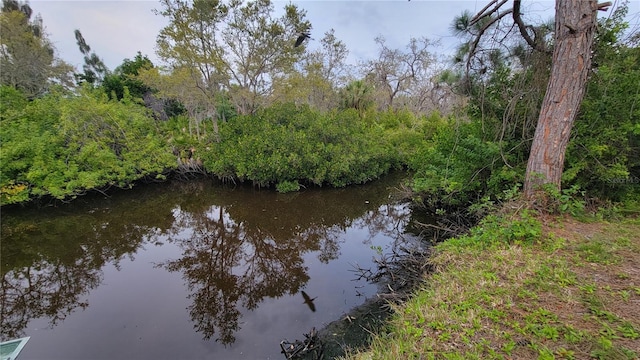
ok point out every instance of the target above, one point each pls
(574, 293)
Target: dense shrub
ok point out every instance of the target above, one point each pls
(603, 156)
(458, 167)
(63, 144)
(286, 144)
(487, 155)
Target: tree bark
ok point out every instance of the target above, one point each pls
(574, 35)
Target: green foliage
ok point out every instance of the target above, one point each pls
(476, 161)
(285, 144)
(457, 166)
(179, 138)
(287, 186)
(233, 45)
(12, 102)
(61, 145)
(603, 156)
(567, 201)
(357, 95)
(406, 133)
(496, 230)
(125, 76)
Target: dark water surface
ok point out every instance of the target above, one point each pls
(191, 270)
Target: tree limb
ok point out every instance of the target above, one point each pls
(475, 43)
(517, 18)
(604, 6)
(484, 13)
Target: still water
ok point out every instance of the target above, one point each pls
(192, 270)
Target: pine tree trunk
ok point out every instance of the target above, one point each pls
(574, 33)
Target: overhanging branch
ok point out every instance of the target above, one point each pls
(517, 18)
(604, 6)
(484, 13)
(475, 43)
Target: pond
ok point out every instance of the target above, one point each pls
(192, 270)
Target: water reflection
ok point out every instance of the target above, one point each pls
(237, 248)
(228, 265)
(235, 255)
(49, 265)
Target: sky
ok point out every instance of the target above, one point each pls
(117, 30)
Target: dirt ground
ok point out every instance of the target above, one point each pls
(608, 282)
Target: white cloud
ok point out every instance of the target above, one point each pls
(116, 30)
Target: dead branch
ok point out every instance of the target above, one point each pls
(604, 6)
(474, 45)
(400, 272)
(309, 348)
(517, 18)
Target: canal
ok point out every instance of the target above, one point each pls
(192, 270)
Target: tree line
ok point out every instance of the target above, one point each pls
(236, 99)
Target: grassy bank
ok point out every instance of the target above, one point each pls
(525, 287)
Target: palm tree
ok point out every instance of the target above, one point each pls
(358, 95)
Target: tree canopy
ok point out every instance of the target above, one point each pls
(236, 46)
(27, 57)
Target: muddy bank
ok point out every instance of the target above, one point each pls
(397, 276)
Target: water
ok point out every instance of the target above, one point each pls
(191, 270)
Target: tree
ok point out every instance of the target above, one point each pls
(125, 76)
(332, 57)
(317, 78)
(503, 76)
(178, 85)
(258, 48)
(603, 156)
(575, 24)
(94, 68)
(307, 86)
(396, 72)
(28, 61)
(357, 95)
(233, 46)
(570, 67)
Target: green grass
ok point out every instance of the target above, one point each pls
(518, 289)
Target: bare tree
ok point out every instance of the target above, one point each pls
(186, 86)
(399, 72)
(317, 77)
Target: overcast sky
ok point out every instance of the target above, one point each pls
(117, 30)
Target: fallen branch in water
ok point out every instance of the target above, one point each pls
(310, 348)
(399, 271)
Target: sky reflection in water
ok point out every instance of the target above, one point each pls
(190, 271)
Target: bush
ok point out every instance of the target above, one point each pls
(603, 156)
(286, 144)
(61, 145)
(457, 167)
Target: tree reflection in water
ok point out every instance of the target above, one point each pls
(44, 289)
(227, 264)
(238, 247)
(48, 275)
(51, 259)
(232, 262)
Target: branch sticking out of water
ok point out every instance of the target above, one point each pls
(310, 348)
